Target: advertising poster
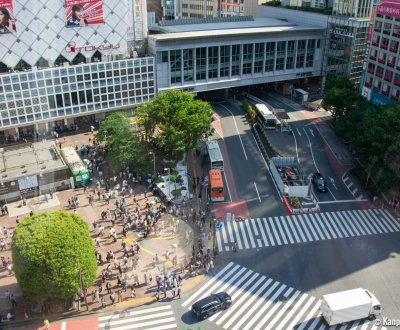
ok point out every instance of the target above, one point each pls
(7, 20)
(84, 12)
(389, 8)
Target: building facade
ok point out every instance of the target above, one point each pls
(207, 56)
(382, 76)
(59, 65)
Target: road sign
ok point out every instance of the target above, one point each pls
(218, 225)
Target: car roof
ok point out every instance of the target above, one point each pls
(206, 301)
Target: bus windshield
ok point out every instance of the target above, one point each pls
(216, 186)
(217, 162)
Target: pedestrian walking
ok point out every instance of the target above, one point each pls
(103, 302)
(158, 295)
(112, 297)
(133, 293)
(108, 287)
(178, 293)
(46, 324)
(119, 295)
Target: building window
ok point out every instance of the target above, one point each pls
(188, 65)
(290, 55)
(224, 61)
(280, 55)
(176, 63)
(212, 62)
(258, 57)
(269, 56)
(235, 59)
(310, 53)
(247, 58)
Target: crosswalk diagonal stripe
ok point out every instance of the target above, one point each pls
(262, 231)
(378, 220)
(241, 225)
(289, 221)
(295, 221)
(368, 228)
(320, 223)
(272, 225)
(281, 231)
(307, 223)
(381, 220)
(335, 226)
(235, 298)
(226, 281)
(231, 231)
(271, 311)
(356, 222)
(328, 224)
(301, 223)
(255, 230)
(387, 220)
(386, 214)
(245, 306)
(283, 221)
(250, 312)
(224, 235)
(263, 223)
(301, 313)
(136, 313)
(314, 314)
(219, 243)
(164, 327)
(291, 311)
(343, 227)
(374, 223)
(375, 229)
(264, 307)
(249, 231)
(344, 222)
(142, 325)
(349, 221)
(135, 319)
(222, 272)
(339, 223)
(237, 235)
(315, 223)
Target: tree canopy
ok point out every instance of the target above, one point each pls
(123, 146)
(50, 250)
(175, 121)
(373, 131)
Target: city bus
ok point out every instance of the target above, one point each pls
(217, 162)
(78, 170)
(266, 117)
(216, 186)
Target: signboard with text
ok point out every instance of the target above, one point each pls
(82, 13)
(7, 20)
(389, 8)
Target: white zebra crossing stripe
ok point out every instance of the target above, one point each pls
(302, 228)
(314, 314)
(157, 318)
(291, 311)
(301, 313)
(209, 283)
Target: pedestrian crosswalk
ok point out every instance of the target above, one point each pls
(259, 302)
(156, 318)
(302, 228)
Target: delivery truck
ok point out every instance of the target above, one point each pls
(350, 305)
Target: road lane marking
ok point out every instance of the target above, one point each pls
(259, 198)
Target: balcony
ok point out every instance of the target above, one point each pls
(377, 88)
(385, 93)
(372, 57)
(371, 70)
(391, 64)
(384, 46)
(388, 78)
(381, 60)
(367, 84)
(397, 82)
(375, 43)
(379, 74)
(394, 97)
(393, 49)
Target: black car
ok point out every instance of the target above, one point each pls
(211, 305)
(319, 182)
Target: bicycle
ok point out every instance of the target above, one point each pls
(239, 219)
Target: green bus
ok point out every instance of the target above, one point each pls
(78, 169)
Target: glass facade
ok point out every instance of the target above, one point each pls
(54, 93)
(224, 62)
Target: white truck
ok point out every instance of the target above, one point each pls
(350, 305)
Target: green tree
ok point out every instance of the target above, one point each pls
(51, 251)
(123, 146)
(175, 121)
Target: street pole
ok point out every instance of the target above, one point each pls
(154, 161)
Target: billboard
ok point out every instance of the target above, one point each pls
(84, 12)
(389, 8)
(7, 20)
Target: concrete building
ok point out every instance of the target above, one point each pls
(382, 76)
(228, 53)
(58, 73)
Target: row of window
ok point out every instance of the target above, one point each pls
(225, 61)
(83, 109)
(384, 57)
(383, 88)
(386, 74)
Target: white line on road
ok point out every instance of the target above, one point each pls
(266, 165)
(237, 130)
(297, 151)
(298, 131)
(255, 186)
(344, 201)
(312, 154)
(64, 325)
(312, 132)
(227, 186)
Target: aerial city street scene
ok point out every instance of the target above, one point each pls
(199, 165)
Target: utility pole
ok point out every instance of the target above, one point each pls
(83, 290)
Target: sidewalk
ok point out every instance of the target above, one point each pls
(172, 244)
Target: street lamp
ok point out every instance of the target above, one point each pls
(154, 161)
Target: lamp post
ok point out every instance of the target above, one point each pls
(154, 161)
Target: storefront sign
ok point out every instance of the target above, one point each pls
(72, 48)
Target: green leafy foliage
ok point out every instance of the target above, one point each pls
(123, 146)
(175, 121)
(49, 250)
(373, 132)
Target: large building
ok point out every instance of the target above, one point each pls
(382, 76)
(205, 55)
(62, 63)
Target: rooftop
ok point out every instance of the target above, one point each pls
(225, 28)
(28, 159)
